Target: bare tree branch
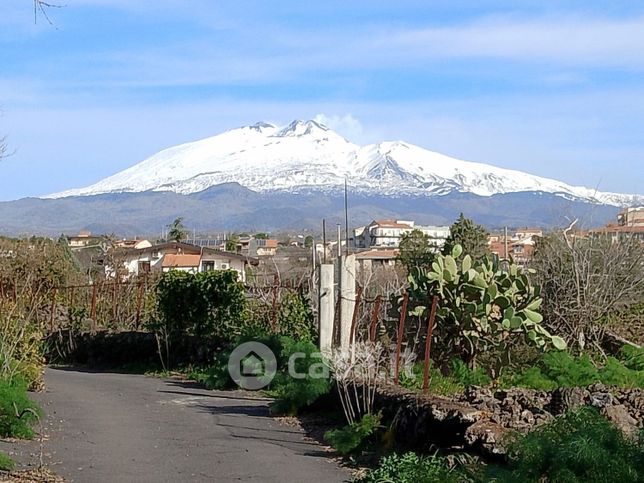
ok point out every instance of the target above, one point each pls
(585, 281)
(41, 7)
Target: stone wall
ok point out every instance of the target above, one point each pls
(478, 419)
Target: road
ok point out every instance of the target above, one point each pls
(107, 427)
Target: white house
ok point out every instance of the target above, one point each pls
(213, 259)
(387, 233)
(176, 256)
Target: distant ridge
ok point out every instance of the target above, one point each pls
(306, 156)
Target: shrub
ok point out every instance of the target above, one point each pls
(577, 447)
(6, 463)
(412, 468)
(560, 369)
(616, 373)
(215, 376)
(294, 394)
(293, 318)
(568, 371)
(353, 437)
(208, 305)
(13, 397)
(469, 377)
(532, 378)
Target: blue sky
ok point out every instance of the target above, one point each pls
(552, 88)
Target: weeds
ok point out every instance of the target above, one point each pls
(18, 413)
(412, 468)
(6, 463)
(577, 447)
(354, 436)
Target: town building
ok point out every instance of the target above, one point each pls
(136, 244)
(388, 233)
(631, 217)
(262, 247)
(175, 256)
(84, 239)
(369, 260)
(519, 245)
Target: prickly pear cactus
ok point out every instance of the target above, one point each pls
(482, 306)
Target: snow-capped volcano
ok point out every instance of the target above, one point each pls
(308, 156)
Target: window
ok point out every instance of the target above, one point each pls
(208, 265)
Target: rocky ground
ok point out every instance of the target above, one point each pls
(41, 475)
(479, 419)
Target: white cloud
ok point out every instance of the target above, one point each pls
(346, 125)
(563, 39)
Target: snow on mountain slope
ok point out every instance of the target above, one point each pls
(306, 155)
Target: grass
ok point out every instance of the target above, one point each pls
(413, 468)
(14, 399)
(454, 383)
(6, 463)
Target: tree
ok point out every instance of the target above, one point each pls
(471, 237)
(308, 241)
(231, 243)
(586, 282)
(416, 250)
(261, 236)
(177, 231)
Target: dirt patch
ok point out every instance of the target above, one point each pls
(41, 475)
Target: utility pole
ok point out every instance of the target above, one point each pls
(324, 239)
(505, 241)
(346, 218)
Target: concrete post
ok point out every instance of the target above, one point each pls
(326, 309)
(348, 298)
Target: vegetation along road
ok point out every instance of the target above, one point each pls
(121, 427)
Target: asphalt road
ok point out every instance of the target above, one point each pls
(107, 427)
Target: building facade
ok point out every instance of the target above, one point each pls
(388, 233)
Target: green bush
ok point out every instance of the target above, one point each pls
(6, 463)
(412, 468)
(207, 305)
(577, 447)
(469, 377)
(293, 318)
(353, 437)
(215, 376)
(293, 394)
(560, 369)
(13, 397)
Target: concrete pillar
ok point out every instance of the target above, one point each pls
(326, 309)
(348, 298)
